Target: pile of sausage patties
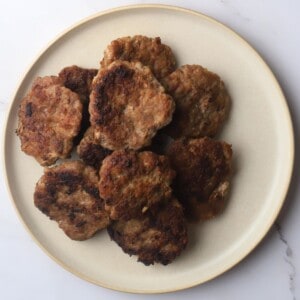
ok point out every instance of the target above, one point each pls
(147, 162)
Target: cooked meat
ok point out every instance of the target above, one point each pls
(149, 51)
(90, 151)
(49, 119)
(202, 102)
(68, 193)
(158, 236)
(203, 168)
(78, 80)
(132, 182)
(127, 106)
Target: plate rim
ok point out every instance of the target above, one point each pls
(283, 104)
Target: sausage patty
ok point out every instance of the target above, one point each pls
(68, 193)
(202, 102)
(90, 151)
(132, 182)
(203, 168)
(49, 119)
(127, 106)
(156, 237)
(78, 80)
(149, 51)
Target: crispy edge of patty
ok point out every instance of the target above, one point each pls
(204, 168)
(132, 182)
(158, 236)
(68, 193)
(128, 105)
(202, 102)
(49, 119)
(149, 51)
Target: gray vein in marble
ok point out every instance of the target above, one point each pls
(288, 258)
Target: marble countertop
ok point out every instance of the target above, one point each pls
(271, 271)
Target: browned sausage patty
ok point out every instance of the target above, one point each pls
(127, 106)
(68, 193)
(202, 102)
(203, 168)
(155, 237)
(78, 80)
(90, 151)
(132, 182)
(149, 51)
(49, 119)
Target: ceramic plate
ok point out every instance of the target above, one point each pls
(259, 128)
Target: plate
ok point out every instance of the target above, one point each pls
(259, 128)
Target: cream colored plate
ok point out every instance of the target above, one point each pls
(259, 129)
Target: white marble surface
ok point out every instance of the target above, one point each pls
(271, 271)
